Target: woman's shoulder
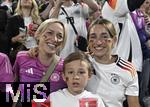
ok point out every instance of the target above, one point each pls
(15, 17)
(3, 57)
(16, 20)
(60, 64)
(125, 65)
(58, 93)
(61, 61)
(23, 58)
(90, 94)
(23, 55)
(120, 61)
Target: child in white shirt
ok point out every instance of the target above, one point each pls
(76, 73)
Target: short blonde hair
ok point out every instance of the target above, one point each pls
(44, 25)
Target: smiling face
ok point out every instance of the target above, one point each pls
(51, 39)
(76, 75)
(100, 41)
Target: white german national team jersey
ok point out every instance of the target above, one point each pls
(62, 98)
(79, 13)
(128, 45)
(113, 81)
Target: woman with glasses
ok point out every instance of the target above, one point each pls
(114, 78)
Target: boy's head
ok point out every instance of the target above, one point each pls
(76, 72)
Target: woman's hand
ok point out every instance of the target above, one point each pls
(19, 38)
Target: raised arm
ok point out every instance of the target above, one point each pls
(55, 10)
(132, 4)
(92, 4)
(45, 13)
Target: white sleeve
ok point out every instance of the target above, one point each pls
(133, 87)
(100, 102)
(51, 97)
(85, 10)
(117, 7)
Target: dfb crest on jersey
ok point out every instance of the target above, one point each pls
(115, 79)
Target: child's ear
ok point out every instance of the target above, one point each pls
(90, 73)
(63, 76)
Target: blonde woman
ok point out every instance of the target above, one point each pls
(27, 18)
(28, 8)
(51, 36)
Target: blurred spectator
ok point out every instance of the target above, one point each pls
(141, 20)
(78, 13)
(45, 8)
(3, 22)
(140, 24)
(6, 74)
(146, 7)
(3, 18)
(26, 17)
(8, 3)
(96, 14)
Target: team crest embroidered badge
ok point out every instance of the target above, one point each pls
(115, 79)
(55, 77)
